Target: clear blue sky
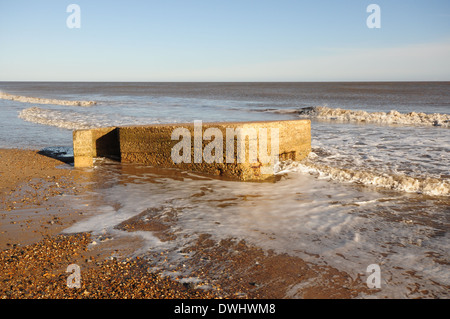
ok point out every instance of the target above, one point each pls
(232, 40)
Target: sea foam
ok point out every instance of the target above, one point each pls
(27, 99)
(81, 120)
(392, 117)
(62, 119)
(388, 180)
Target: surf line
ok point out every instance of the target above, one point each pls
(26, 99)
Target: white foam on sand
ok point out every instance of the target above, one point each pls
(332, 224)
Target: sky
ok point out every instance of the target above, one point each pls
(221, 41)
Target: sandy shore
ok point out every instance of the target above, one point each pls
(34, 257)
(31, 186)
(37, 193)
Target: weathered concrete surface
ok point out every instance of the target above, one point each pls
(100, 142)
(153, 145)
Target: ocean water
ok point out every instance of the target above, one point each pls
(374, 190)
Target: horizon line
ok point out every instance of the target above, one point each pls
(316, 81)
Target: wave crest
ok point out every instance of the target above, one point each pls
(79, 120)
(427, 185)
(67, 120)
(37, 100)
(392, 117)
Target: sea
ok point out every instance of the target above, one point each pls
(374, 190)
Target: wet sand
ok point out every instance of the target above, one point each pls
(31, 186)
(34, 255)
(37, 194)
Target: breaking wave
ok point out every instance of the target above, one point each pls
(26, 99)
(78, 121)
(425, 185)
(67, 120)
(392, 117)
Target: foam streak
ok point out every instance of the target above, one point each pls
(427, 186)
(392, 117)
(67, 120)
(26, 99)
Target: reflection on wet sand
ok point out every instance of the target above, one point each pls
(337, 231)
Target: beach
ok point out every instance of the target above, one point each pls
(372, 194)
(35, 254)
(328, 176)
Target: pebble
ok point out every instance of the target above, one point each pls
(39, 271)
